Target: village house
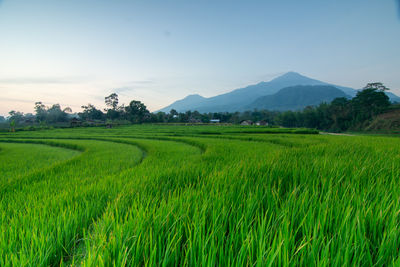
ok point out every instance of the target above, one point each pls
(246, 122)
(262, 123)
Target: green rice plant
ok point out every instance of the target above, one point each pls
(159, 195)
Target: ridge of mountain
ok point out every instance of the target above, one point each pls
(185, 103)
(297, 97)
(240, 99)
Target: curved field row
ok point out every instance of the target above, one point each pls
(15, 161)
(136, 196)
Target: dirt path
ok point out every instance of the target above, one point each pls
(326, 133)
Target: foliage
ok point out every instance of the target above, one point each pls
(51, 114)
(91, 113)
(112, 101)
(136, 111)
(341, 114)
(41, 111)
(371, 101)
(377, 87)
(161, 195)
(12, 125)
(55, 114)
(16, 116)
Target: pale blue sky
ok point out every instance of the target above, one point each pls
(78, 51)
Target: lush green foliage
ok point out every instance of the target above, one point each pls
(341, 114)
(198, 195)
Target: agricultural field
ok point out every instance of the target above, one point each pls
(162, 195)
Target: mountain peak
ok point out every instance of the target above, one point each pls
(243, 98)
(194, 96)
(292, 73)
(186, 103)
(290, 76)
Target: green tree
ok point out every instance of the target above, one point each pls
(40, 112)
(288, 119)
(112, 101)
(160, 117)
(90, 112)
(173, 115)
(136, 111)
(67, 110)
(377, 86)
(370, 101)
(12, 126)
(55, 114)
(309, 117)
(340, 112)
(16, 116)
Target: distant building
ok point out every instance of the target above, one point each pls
(215, 121)
(246, 122)
(262, 123)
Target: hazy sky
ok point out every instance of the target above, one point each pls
(75, 52)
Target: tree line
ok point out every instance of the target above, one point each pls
(339, 115)
(135, 112)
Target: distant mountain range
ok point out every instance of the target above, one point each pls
(297, 97)
(290, 91)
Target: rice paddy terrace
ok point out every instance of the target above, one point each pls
(158, 195)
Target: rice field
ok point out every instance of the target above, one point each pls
(160, 195)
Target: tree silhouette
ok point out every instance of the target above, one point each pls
(136, 111)
(112, 101)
